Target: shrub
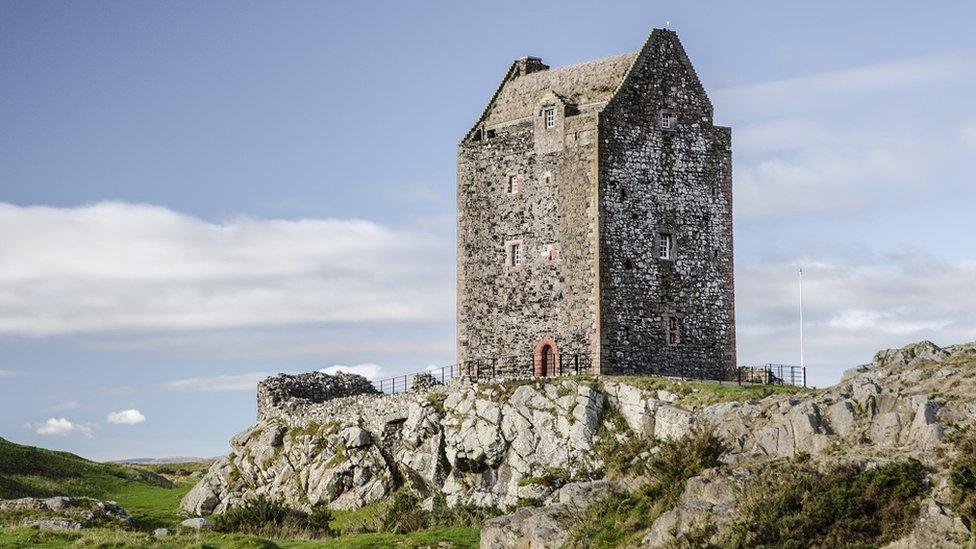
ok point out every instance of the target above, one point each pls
(620, 518)
(796, 505)
(962, 478)
(264, 517)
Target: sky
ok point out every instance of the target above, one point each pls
(194, 196)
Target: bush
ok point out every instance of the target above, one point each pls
(796, 505)
(620, 518)
(403, 514)
(962, 478)
(263, 517)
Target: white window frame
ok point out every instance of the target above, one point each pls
(667, 120)
(514, 254)
(512, 185)
(549, 117)
(665, 245)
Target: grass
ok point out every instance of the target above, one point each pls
(962, 477)
(794, 504)
(621, 519)
(693, 394)
(151, 495)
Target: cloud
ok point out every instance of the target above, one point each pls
(854, 306)
(117, 266)
(850, 175)
(126, 417)
(222, 383)
(61, 427)
(7, 373)
(65, 406)
(369, 371)
(873, 78)
(968, 134)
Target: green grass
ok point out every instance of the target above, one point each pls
(151, 494)
(621, 519)
(793, 504)
(693, 394)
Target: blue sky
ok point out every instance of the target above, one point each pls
(195, 195)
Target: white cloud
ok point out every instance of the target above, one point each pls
(61, 427)
(7, 373)
(120, 266)
(65, 406)
(222, 383)
(874, 78)
(369, 371)
(968, 134)
(848, 175)
(854, 306)
(126, 417)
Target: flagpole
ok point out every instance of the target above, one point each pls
(802, 365)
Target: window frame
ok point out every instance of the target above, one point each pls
(667, 120)
(512, 184)
(549, 117)
(514, 254)
(672, 330)
(665, 243)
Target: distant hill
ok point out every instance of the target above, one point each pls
(166, 460)
(28, 471)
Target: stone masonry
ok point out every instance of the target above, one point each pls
(595, 220)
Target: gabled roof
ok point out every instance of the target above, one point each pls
(597, 81)
(593, 81)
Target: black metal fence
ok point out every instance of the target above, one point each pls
(580, 364)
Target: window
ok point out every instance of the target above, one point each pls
(547, 178)
(674, 330)
(629, 264)
(549, 114)
(552, 253)
(490, 134)
(514, 253)
(667, 120)
(513, 184)
(665, 246)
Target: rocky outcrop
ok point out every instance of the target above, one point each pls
(66, 513)
(500, 443)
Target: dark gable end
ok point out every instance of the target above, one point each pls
(651, 53)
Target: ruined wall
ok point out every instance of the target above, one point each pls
(505, 311)
(655, 180)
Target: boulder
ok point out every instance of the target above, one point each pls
(198, 523)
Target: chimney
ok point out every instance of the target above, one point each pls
(528, 65)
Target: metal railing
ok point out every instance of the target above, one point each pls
(578, 364)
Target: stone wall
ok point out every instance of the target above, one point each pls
(282, 394)
(677, 181)
(505, 311)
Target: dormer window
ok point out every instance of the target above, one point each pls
(513, 184)
(668, 120)
(549, 114)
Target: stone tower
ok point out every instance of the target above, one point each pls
(595, 220)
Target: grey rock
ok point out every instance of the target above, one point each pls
(161, 532)
(198, 523)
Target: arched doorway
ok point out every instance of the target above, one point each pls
(546, 358)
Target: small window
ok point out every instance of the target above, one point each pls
(629, 264)
(552, 253)
(667, 120)
(674, 330)
(513, 184)
(623, 192)
(490, 134)
(550, 116)
(665, 246)
(547, 178)
(715, 253)
(515, 255)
